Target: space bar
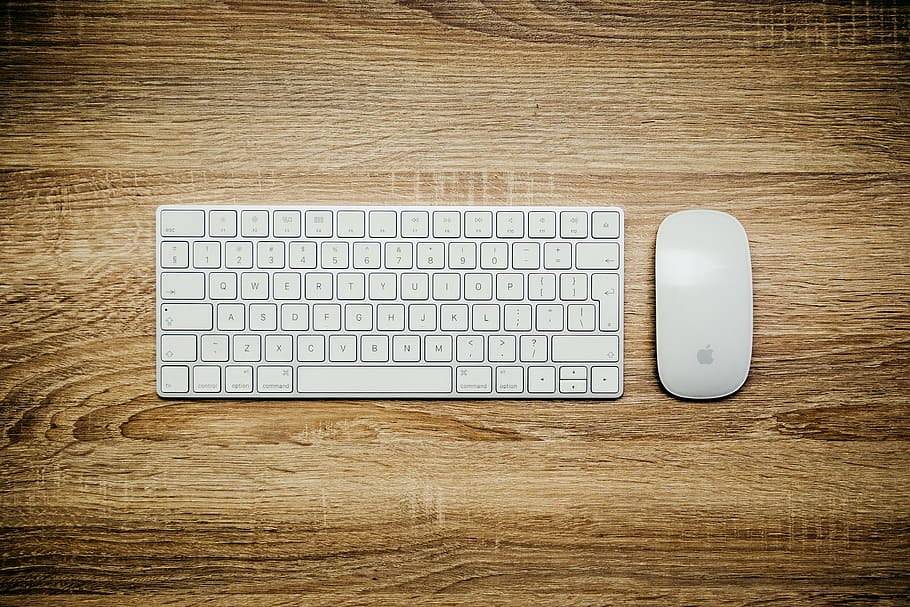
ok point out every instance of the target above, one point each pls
(337, 379)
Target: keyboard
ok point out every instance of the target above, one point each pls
(389, 302)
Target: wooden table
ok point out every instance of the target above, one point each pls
(792, 116)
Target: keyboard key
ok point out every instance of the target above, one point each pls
(182, 285)
(573, 224)
(302, 255)
(327, 317)
(223, 224)
(294, 317)
(286, 224)
(383, 224)
(573, 287)
(446, 287)
(342, 348)
(517, 317)
(415, 224)
(318, 224)
(422, 317)
(181, 223)
(214, 348)
(463, 255)
(597, 256)
(275, 379)
(254, 224)
(175, 254)
(542, 224)
(526, 256)
(175, 379)
(510, 224)
(207, 379)
(286, 285)
(270, 255)
(207, 254)
(399, 255)
(247, 348)
(186, 317)
(390, 317)
(542, 287)
(238, 379)
(585, 348)
(438, 348)
(351, 285)
(351, 224)
(605, 289)
(604, 380)
(478, 224)
(383, 286)
(335, 255)
(238, 255)
(541, 380)
(510, 287)
(279, 348)
(318, 285)
(374, 348)
(358, 317)
(406, 348)
(469, 348)
(366, 255)
(254, 285)
(478, 287)
(415, 286)
(222, 285)
(573, 373)
(231, 317)
(502, 348)
(605, 224)
(533, 348)
(510, 380)
(485, 317)
(446, 224)
(557, 256)
(310, 348)
(263, 317)
(430, 255)
(581, 317)
(573, 386)
(549, 317)
(363, 379)
(494, 256)
(473, 379)
(178, 348)
(454, 317)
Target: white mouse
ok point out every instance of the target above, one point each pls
(703, 289)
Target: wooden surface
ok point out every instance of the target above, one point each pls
(793, 116)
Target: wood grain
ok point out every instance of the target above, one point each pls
(792, 116)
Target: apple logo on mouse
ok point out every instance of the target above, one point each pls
(705, 356)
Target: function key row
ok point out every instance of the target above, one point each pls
(415, 223)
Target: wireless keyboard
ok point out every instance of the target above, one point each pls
(376, 301)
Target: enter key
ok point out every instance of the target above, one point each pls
(605, 289)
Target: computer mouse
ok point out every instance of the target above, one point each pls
(703, 290)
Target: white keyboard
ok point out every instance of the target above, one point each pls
(375, 301)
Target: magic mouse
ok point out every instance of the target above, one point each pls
(703, 290)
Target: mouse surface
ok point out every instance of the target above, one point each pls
(703, 289)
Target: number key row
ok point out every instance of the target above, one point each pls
(389, 255)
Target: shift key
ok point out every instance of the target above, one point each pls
(186, 317)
